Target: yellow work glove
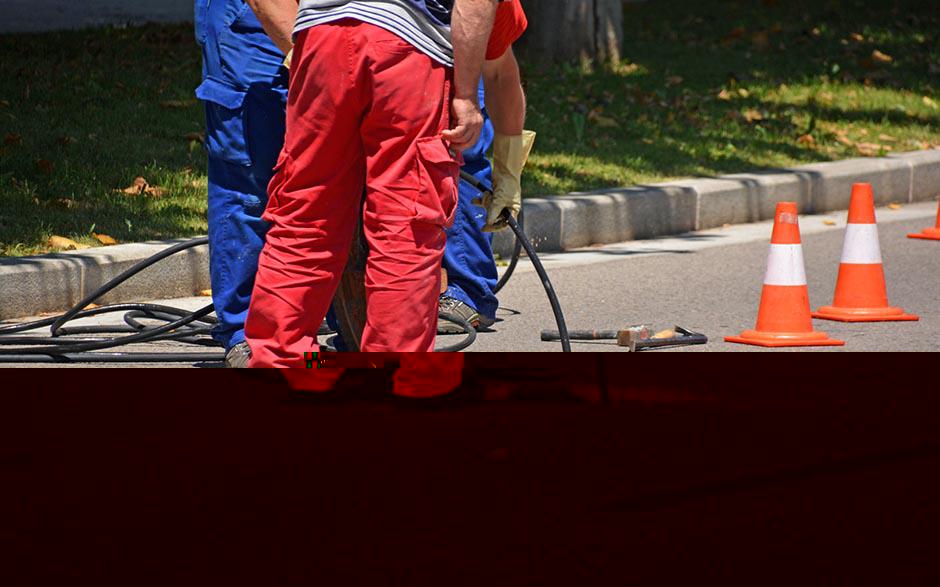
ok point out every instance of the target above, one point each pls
(509, 156)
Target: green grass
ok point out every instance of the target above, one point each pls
(706, 87)
(784, 68)
(84, 113)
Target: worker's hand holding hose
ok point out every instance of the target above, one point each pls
(510, 154)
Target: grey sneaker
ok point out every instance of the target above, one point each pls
(454, 307)
(237, 356)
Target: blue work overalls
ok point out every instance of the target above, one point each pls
(244, 89)
(468, 255)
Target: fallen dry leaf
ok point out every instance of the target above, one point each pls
(724, 95)
(104, 239)
(882, 58)
(743, 93)
(807, 140)
(206, 293)
(91, 307)
(64, 244)
(12, 139)
(845, 140)
(887, 138)
(140, 186)
(199, 137)
(857, 37)
(602, 121)
(136, 188)
(45, 166)
(177, 103)
(871, 149)
(751, 115)
(664, 334)
(930, 103)
(829, 222)
(894, 206)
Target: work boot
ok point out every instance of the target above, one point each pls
(458, 309)
(238, 356)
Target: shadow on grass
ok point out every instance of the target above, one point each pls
(720, 86)
(709, 87)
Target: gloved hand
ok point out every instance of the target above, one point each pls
(510, 154)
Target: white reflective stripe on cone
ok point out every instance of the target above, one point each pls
(861, 245)
(785, 265)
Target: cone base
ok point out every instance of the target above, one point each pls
(932, 234)
(784, 339)
(863, 314)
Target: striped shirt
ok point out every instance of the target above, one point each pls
(397, 16)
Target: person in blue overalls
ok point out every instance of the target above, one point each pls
(244, 88)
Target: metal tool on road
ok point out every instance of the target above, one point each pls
(635, 338)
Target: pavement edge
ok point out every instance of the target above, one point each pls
(50, 283)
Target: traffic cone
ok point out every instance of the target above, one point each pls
(929, 233)
(783, 319)
(861, 293)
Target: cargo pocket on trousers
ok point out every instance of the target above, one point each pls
(277, 181)
(225, 121)
(436, 202)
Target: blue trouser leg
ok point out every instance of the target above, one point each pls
(245, 94)
(468, 256)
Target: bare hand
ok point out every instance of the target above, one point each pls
(468, 123)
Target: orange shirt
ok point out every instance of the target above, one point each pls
(510, 23)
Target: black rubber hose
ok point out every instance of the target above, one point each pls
(514, 260)
(66, 357)
(58, 323)
(517, 246)
(466, 342)
(68, 347)
(546, 283)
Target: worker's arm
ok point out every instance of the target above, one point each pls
(471, 24)
(505, 99)
(277, 17)
(505, 103)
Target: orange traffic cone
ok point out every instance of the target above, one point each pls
(861, 293)
(929, 233)
(783, 318)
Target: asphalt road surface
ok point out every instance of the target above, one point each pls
(17, 16)
(708, 282)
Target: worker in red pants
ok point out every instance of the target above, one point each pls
(370, 104)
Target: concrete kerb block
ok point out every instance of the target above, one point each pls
(925, 173)
(644, 211)
(765, 189)
(832, 182)
(718, 202)
(52, 283)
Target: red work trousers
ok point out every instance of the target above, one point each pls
(365, 111)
